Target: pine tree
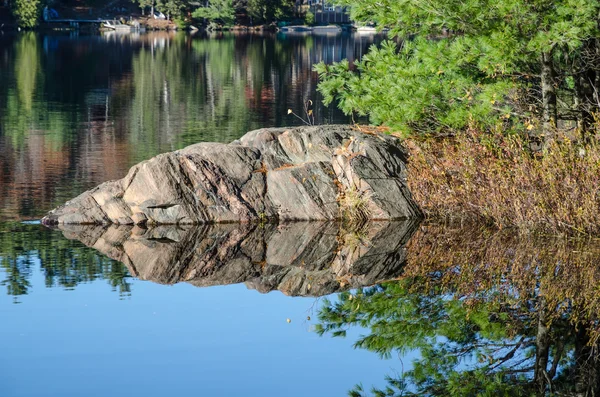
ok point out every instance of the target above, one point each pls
(143, 4)
(172, 8)
(475, 61)
(219, 11)
(266, 11)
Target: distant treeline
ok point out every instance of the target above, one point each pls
(28, 13)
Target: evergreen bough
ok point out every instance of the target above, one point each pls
(526, 63)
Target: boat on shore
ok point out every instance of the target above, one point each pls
(366, 30)
(303, 29)
(296, 29)
(116, 25)
(327, 29)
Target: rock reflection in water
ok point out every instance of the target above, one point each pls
(299, 259)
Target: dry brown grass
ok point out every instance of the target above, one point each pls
(354, 206)
(498, 180)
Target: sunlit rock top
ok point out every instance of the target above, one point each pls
(285, 174)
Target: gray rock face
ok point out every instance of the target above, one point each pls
(298, 258)
(286, 174)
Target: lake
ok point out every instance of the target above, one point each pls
(259, 310)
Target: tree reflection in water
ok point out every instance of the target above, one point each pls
(489, 313)
(63, 263)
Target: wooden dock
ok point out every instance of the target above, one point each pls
(74, 22)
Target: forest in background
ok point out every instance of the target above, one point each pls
(28, 13)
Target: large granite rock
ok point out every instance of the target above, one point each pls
(297, 258)
(307, 173)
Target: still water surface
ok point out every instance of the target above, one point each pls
(256, 310)
(79, 110)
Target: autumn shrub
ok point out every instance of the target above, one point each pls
(497, 179)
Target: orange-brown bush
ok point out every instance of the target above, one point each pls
(498, 180)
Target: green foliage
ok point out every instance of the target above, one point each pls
(27, 69)
(27, 12)
(419, 88)
(464, 350)
(21, 109)
(309, 18)
(266, 11)
(172, 8)
(181, 23)
(533, 25)
(220, 11)
(144, 3)
(64, 263)
(463, 62)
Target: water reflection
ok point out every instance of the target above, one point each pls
(63, 263)
(79, 110)
(488, 313)
(299, 259)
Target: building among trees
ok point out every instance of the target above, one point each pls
(325, 12)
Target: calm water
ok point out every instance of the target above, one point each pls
(296, 310)
(79, 110)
